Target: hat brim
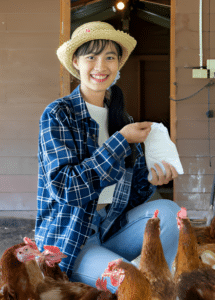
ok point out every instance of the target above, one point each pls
(66, 51)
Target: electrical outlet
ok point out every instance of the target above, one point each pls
(200, 73)
(211, 67)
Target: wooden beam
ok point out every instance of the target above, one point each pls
(162, 2)
(153, 18)
(173, 116)
(101, 16)
(172, 74)
(80, 3)
(65, 21)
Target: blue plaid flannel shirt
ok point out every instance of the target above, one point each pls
(73, 170)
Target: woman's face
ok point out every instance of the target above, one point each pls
(97, 72)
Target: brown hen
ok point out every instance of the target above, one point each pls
(153, 263)
(194, 280)
(17, 269)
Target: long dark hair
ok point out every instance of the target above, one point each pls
(117, 116)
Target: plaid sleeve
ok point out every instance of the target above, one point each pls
(68, 179)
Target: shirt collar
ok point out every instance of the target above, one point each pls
(79, 104)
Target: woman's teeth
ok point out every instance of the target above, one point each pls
(99, 77)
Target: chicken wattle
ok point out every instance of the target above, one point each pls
(116, 274)
(132, 284)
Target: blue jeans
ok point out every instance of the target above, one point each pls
(127, 242)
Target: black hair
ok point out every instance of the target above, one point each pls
(117, 116)
(96, 47)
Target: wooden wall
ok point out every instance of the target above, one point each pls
(193, 189)
(29, 81)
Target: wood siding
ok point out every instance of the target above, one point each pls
(193, 189)
(65, 28)
(29, 81)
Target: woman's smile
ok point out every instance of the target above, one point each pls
(99, 77)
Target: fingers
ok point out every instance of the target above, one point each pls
(142, 130)
(136, 132)
(144, 125)
(168, 176)
(174, 172)
(145, 133)
(154, 179)
(171, 172)
(159, 177)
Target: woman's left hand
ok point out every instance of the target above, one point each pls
(159, 178)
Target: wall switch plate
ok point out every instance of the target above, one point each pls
(210, 64)
(200, 73)
(212, 73)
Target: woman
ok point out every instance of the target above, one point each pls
(89, 152)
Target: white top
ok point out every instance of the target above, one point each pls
(100, 115)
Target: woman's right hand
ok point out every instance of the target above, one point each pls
(136, 132)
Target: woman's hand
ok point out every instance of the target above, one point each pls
(161, 178)
(136, 132)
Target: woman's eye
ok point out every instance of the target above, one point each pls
(90, 57)
(110, 57)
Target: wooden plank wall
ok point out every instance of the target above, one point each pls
(29, 81)
(65, 28)
(190, 124)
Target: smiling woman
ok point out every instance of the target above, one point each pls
(90, 153)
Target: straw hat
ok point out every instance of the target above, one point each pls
(94, 31)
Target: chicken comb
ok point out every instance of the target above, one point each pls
(52, 249)
(112, 264)
(155, 214)
(101, 284)
(182, 214)
(28, 241)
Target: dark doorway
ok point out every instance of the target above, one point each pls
(154, 91)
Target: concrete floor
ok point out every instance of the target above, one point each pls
(12, 232)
